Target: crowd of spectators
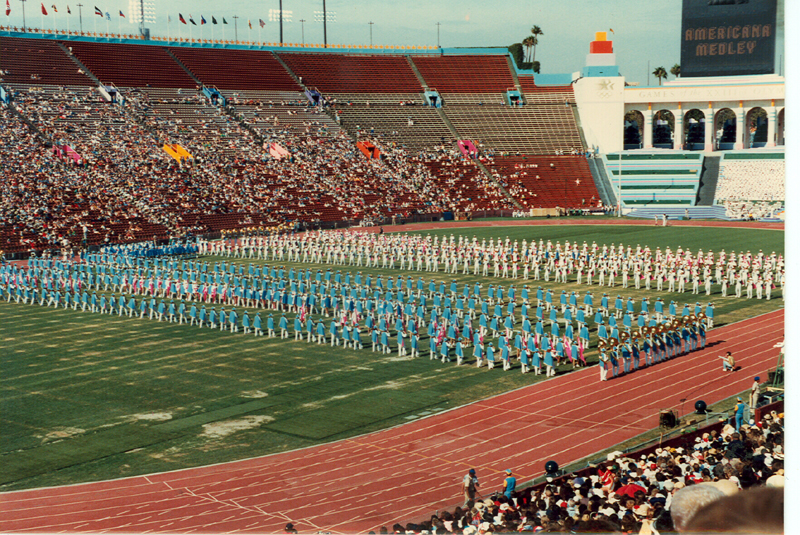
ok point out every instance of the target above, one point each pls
(685, 489)
(752, 210)
(120, 186)
(752, 180)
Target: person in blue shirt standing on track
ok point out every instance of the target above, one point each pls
(509, 484)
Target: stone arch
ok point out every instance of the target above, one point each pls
(694, 129)
(725, 129)
(780, 128)
(633, 130)
(663, 129)
(755, 131)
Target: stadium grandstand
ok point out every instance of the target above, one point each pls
(260, 287)
(187, 114)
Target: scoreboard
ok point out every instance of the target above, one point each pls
(728, 37)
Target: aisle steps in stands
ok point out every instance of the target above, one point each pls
(499, 185)
(79, 63)
(678, 212)
(238, 70)
(418, 74)
(334, 73)
(290, 71)
(708, 181)
(184, 67)
(656, 178)
(513, 72)
(606, 190)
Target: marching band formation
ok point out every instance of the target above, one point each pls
(499, 325)
(674, 271)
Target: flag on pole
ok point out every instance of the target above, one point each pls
(108, 15)
(611, 30)
(8, 8)
(224, 21)
(97, 11)
(55, 9)
(213, 20)
(191, 19)
(68, 11)
(261, 22)
(202, 20)
(121, 14)
(248, 22)
(44, 11)
(180, 18)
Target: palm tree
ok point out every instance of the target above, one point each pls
(528, 43)
(535, 32)
(676, 70)
(660, 73)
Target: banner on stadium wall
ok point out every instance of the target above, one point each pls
(728, 37)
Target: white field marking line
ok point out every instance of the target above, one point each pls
(141, 521)
(50, 513)
(136, 357)
(210, 497)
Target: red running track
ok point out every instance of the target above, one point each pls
(360, 484)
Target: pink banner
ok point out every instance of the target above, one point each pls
(467, 148)
(72, 154)
(66, 150)
(278, 152)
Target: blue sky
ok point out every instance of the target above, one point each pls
(643, 30)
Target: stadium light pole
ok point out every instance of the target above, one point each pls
(438, 27)
(303, 30)
(619, 186)
(324, 25)
(236, 28)
(280, 18)
(24, 28)
(370, 33)
(80, 16)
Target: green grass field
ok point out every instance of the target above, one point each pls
(89, 397)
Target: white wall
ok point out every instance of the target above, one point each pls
(602, 110)
(603, 102)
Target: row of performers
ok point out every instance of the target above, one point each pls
(656, 343)
(541, 355)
